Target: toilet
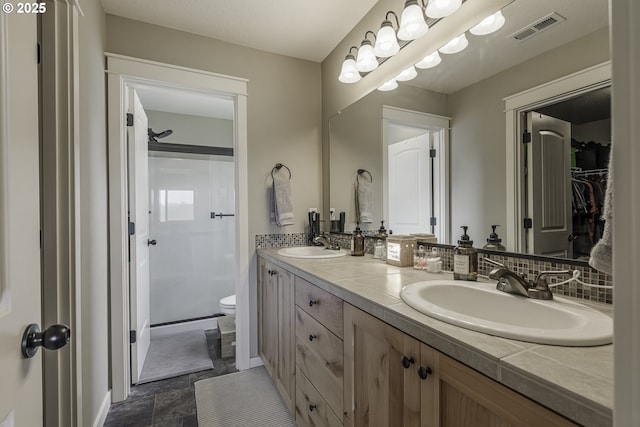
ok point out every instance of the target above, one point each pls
(228, 306)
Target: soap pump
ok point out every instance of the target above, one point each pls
(357, 241)
(465, 258)
(381, 237)
(494, 243)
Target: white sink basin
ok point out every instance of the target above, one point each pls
(480, 307)
(314, 252)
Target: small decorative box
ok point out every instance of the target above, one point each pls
(400, 250)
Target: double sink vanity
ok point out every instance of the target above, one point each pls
(354, 341)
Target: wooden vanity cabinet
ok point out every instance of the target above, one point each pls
(392, 379)
(276, 327)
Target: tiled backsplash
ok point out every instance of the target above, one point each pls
(530, 266)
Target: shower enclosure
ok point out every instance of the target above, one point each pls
(192, 224)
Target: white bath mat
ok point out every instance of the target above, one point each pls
(173, 355)
(241, 399)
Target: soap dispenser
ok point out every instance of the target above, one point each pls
(357, 242)
(465, 258)
(494, 243)
(382, 235)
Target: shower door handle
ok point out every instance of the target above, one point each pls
(151, 242)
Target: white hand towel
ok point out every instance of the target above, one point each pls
(364, 200)
(281, 200)
(601, 254)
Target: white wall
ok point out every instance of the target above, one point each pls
(93, 211)
(284, 114)
(478, 159)
(192, 130)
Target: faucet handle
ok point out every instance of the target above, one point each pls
(496, 263)
(542, 282)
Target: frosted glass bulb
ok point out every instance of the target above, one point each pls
(387, 86)
(488, 25)
(412, 23)
(349, 73)
(442, 8)
(457, 44)
(406, 75)
(386, 41)
(366, 60)
(429, 61)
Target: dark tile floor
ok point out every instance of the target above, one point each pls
(170, 402)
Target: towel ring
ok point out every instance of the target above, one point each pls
(363, 171)
(279, 166)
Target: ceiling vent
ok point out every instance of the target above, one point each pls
(537, 27)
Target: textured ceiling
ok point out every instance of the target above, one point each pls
(301, 29)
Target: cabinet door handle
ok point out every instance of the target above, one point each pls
(312, 407)
(313, 302)
(407, 361)
(424, 372)
(272, 272)
(313, 337)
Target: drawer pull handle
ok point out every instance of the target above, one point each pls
(424, 372)
(312, 407)
(313, 302)
(272, 272)
(313, 337)
(407, 361)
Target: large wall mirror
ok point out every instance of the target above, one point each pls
(541, 41)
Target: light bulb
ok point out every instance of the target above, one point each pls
(406, 75)
(442, 8)
(457, 44)
(429, 61)
(488, 25)
(366, 60)
(386, 41)
(412, 23)
(349, 73)
(387, 86)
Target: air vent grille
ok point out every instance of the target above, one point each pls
(537, 27)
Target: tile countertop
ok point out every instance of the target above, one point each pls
(576, 382)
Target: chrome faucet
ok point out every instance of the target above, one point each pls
(325, 241)
(514, 283)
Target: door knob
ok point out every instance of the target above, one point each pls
(52, 338)
(424, 372)
(407, 361)
(151, 242)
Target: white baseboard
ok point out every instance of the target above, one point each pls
(104, 410)
(162, 331)
(254, 362)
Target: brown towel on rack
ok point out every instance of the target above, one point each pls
(281, 200)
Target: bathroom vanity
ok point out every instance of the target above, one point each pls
(344, 349)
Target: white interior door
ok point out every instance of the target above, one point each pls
(409, 184)
(21, 379)
(549, 183)
(137, 140)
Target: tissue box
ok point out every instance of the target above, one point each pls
(400, 250)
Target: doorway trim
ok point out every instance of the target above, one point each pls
(122, 72)
(431, 122)
(557, 90)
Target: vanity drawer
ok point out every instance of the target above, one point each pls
(324, 307)
(311, 408)
(320, 355)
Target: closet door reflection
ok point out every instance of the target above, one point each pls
(192, 263)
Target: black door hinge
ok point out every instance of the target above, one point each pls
(432, 153)
(39, 54)
(434, 221)
(132, 228)
(129, 119)
(526, 137)
(132, 337)
(528, 223)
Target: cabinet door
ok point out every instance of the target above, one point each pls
(469, 399)
(286, 370)
(268, 317)
(381, 384)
